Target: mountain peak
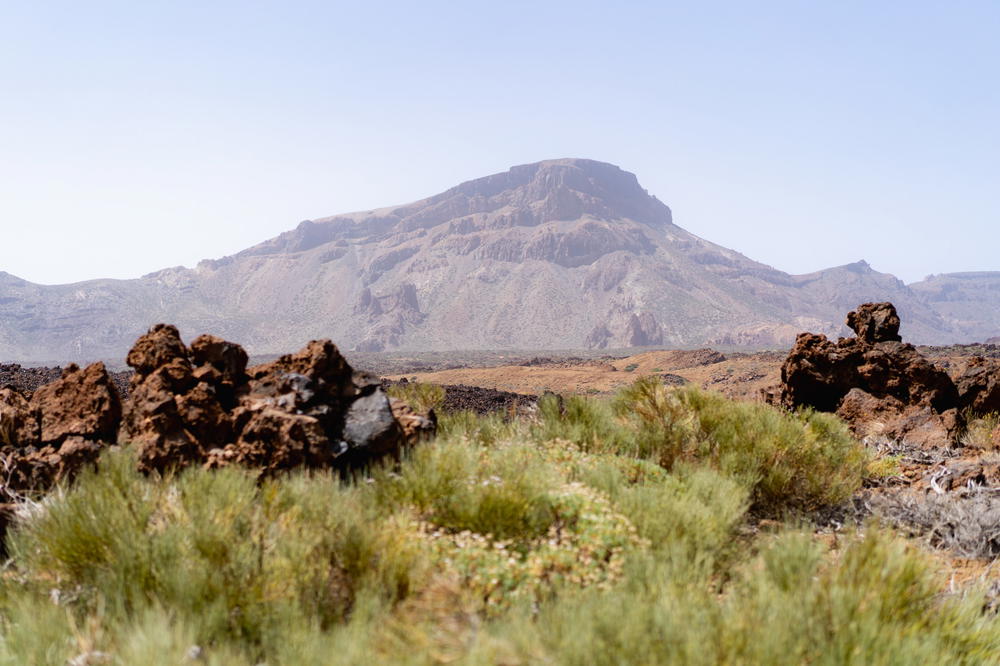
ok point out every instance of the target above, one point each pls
(566, 188)
(559, 253)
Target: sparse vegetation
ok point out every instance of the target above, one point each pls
(420, 396)
(597, 532)
(980, 430)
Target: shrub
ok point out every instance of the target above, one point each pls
(599, 532)
(800, 460)
(503, 493)
(421, 397)
(979, 430)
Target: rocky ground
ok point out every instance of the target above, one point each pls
(925, 412)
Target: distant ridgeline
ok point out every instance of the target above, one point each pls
(559, 254)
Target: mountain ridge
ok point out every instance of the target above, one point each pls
(555, 254)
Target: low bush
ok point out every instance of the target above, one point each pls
(798, 461)
(598, 532)
(980, 429)
(418, 395)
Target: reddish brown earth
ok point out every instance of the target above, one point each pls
(739, 376)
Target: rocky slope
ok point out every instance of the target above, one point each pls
(558, 254)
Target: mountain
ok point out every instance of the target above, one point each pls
(967, 300)
(559, 254)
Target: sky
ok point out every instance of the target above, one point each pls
(140, 135)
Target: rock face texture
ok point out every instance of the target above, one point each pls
(877, 383)
(875, 322)
(979, 386)
(558, 254)
(201, 404)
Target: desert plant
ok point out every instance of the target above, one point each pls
(980, 431)
(420, 396)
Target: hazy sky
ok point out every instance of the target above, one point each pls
(140, 135)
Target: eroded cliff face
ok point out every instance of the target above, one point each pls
(558, 254)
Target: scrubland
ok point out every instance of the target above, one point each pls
(659, 526)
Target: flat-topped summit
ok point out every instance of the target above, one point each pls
(556, 254)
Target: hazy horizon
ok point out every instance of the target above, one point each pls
(803, 136)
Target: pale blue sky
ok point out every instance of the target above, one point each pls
(139, 135)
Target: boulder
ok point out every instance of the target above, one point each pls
(819, 373)
(274, 439)
(153, 421)
(875, 322)
(979, 386)
(161, 345)
(81, 403)
(203, 405)
(19, 423)
(416, 427)
(221, 365)
(873, 379)
(370, 430)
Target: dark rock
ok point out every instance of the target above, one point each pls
(873, 378)
(8, 515)
(203, 406)
(875, 322)
(672, 380)
(979, 386)
(304, 409)
(819, 373)
(370, 429)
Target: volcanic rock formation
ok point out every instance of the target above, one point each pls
(202, 405)
(874, 381)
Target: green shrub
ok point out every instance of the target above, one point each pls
(875, 602)
(597, 532)
(504, 493)
(789, 461)
(419, 396)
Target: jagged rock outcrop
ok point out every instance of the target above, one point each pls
(19, 423)
(200, 404)
(877, 383)
(62, 428)
(875, 322)
(82, 403)
(979, 386)
(203, 405)
(625, 327)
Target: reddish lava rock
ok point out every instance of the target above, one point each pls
(875, 322)
(81, 403)
(19, 424)
(979, 385)
(202, 405)
(874, 378)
